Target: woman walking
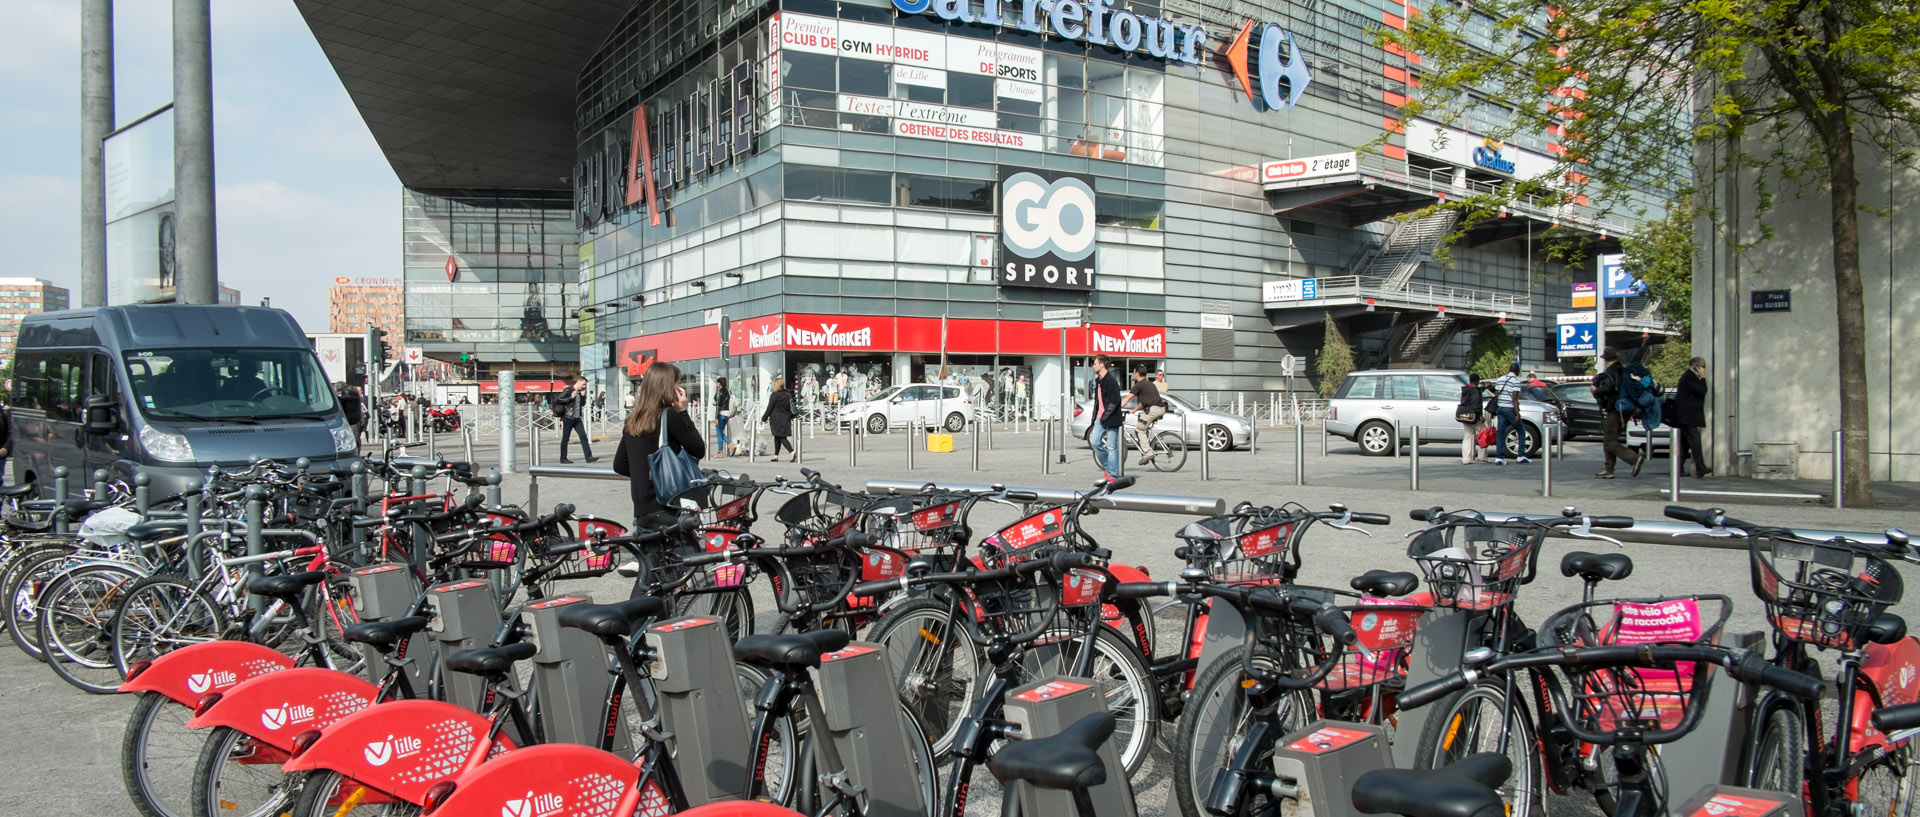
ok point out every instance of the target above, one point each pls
(723, 411)
(660, 399)
(779, 417)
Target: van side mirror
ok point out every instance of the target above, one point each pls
(103, 414)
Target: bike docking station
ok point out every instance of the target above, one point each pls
(1047, 708)
(854, 684)
(465, 617)
(700, 706)
(1316, 767)
(384, 592)
(570, 676)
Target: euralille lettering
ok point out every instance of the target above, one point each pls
(1094, 21)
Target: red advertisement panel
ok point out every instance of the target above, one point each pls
(636, 354)
(840, 333)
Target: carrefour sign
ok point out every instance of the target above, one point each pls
(1095, 22)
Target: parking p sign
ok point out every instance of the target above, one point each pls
(1578, 334)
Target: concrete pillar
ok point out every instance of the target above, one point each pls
(197, 280)
(96, 121)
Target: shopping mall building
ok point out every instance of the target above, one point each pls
(810, 188)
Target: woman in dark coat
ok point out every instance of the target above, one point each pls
(660, 394)
(779, 417)
(1690, 415)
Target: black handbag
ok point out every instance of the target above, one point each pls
(673, 472)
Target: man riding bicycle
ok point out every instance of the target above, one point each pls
(1152, 407)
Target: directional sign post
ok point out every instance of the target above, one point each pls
(1579, 334)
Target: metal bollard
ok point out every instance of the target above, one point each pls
(193, 526)
(1324, 436)
(1673, 467)
(417, 483)
(853, 445)
(466, 444)
(533, 443)
(1413, 456)
(753, 443)
(432, 451)
(1299, 454)
(976, 444)
(910, 433)
(1546, 466)
(798, 447)
(142, 494)
(1046, 451)
(1253, 436)
(1839, 470)
(99, 484)
(493, 488)
(989, 436)
(256, 541)
(1206, 464)
(60, 491)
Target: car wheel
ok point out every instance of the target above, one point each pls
(1218, 438)
(1534, 440)
(1376, 439)
(956, 423)
(877, 424)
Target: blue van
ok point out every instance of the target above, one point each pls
(171, 389)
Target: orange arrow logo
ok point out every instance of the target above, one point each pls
(1237, 57)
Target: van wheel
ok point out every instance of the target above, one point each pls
(956, 423)
(877, 424)
(1376, 439)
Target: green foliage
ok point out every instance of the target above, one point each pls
(1336, 360)
(1491, 354)
(1671, 362)
(1662, 256)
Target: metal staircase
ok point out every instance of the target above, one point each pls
(1411, 244)
(1421, 345)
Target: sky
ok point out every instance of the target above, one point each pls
(303, 194)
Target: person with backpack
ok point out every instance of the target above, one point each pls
(1471, 414)
(1607, 386)
(1506, 411)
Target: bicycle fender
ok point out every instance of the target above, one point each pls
(398, 748)
(1890, 677)
(551, 780)
(273, 708)
(197, 669)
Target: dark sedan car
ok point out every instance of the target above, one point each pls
(1577, 405)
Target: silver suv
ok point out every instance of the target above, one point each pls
(1372, 408)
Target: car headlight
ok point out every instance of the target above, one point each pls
(343, 441)
(165, 446)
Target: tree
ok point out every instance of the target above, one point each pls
(1629, 86)
(1491, 354)
(1662, 256)
(1336, 360)
(1671, 362)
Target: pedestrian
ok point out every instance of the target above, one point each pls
(626, 400)
(842, 392)
(723, 411)
(568, 406)
(354, 410)
(1689, 416)
(6, 439)
(1472, 415)
(1160, 382)
(779, 417)
(1533, 379)
(1105, 426)
(1147, 399)
(1506, 413)
(660, 400)
(1606, 392)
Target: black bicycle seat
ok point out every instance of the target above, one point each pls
(81, 507)
(1068, 761)
(611, 620)
(1463, 788)
(287, 587)
(16, 491)
(149, 531)
(1596, 567)
(800, 649)
(1886, 628)
(384, 634)
(1385, 582)
(492, 660)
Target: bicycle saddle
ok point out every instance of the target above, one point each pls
(384, 634)
(1069, 760)
(80, 507)
(492, 660)
(1886, 628)
(1385, 583)
(287, 587)
(611, 620)
(1463, 788)
(148, 531)
(799, 649)
(1596, 567)
(16, 491)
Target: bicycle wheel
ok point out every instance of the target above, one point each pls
(157, 756)
(237, 776)
(24, 580)
(332, 613)
(76, 624)
(160, 614)
(733, 608)
(327, 794)
(935, 664)
(1169, 451)
(1472, 721)
(1215, 723)
(1885, 787)
(1779, 755)
(1125, 682)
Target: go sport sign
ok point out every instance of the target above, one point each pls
(1281, 68)
(1046, 229)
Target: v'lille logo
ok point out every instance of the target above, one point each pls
(1272, 69)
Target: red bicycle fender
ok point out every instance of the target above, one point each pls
(1128, 573)
(273, 708)
(1891, 676)
(549, 780)
(398, 748)
(214, 666)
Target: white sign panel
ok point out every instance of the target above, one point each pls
(1211, 321)
(1022, 91)
(1060, 314)
(917, 111)
(1311, 167)
(809, 35)
(1304, 289)
(917, 75)
(414, 356)
(1459, 147)
(968, 135)
(1062, 323)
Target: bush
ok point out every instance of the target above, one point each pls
(1336, 360)
(1671, 362)
(1491, 354)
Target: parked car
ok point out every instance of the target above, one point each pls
(1578, 408)
(1221, 431)
(1374, 408)
(930, 404)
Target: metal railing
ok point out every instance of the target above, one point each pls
(1517, 306)
(1441, 180)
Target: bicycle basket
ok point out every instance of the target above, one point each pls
(584, 563)
(1637, 697)
(1476, 565)
(1821, 593)
(1026, 538)
(924, 526)
(1257, 554)
(1386, 628)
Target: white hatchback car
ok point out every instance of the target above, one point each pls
(929, 404)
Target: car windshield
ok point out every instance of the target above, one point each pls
(223, 384)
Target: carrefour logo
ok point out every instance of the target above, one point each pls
(1282, 68)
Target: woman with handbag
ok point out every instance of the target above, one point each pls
(659, 420)
(779, 417)
(723, 408)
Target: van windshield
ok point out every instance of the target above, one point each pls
(227, 384)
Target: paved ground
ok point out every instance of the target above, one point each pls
(65, 745)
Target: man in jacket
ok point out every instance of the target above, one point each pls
(1606, 392)
(1690, 415)
(568, 406)
(1106, 418)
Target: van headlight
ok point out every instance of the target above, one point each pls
(343, 441)
(165, 446)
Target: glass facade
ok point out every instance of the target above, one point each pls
(491, 274)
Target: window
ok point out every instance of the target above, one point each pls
(969, 91)
(834, 184)
(946, 194)
(802, 70)
(51, 382)
(1442, 387)
(212, 384)
(1126, 211)
(1359, 388)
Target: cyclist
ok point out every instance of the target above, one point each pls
(1151, 408)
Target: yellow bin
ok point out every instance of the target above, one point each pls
(940, 443)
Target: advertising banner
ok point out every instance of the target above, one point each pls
(1047, 229)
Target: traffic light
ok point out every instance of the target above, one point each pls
(385, 353)
(377, 343)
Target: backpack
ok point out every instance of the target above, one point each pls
(1637, 393)
(1470, 405)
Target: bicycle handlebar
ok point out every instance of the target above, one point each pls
(1372, 519)
(1897, 718)
(1058, 562)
